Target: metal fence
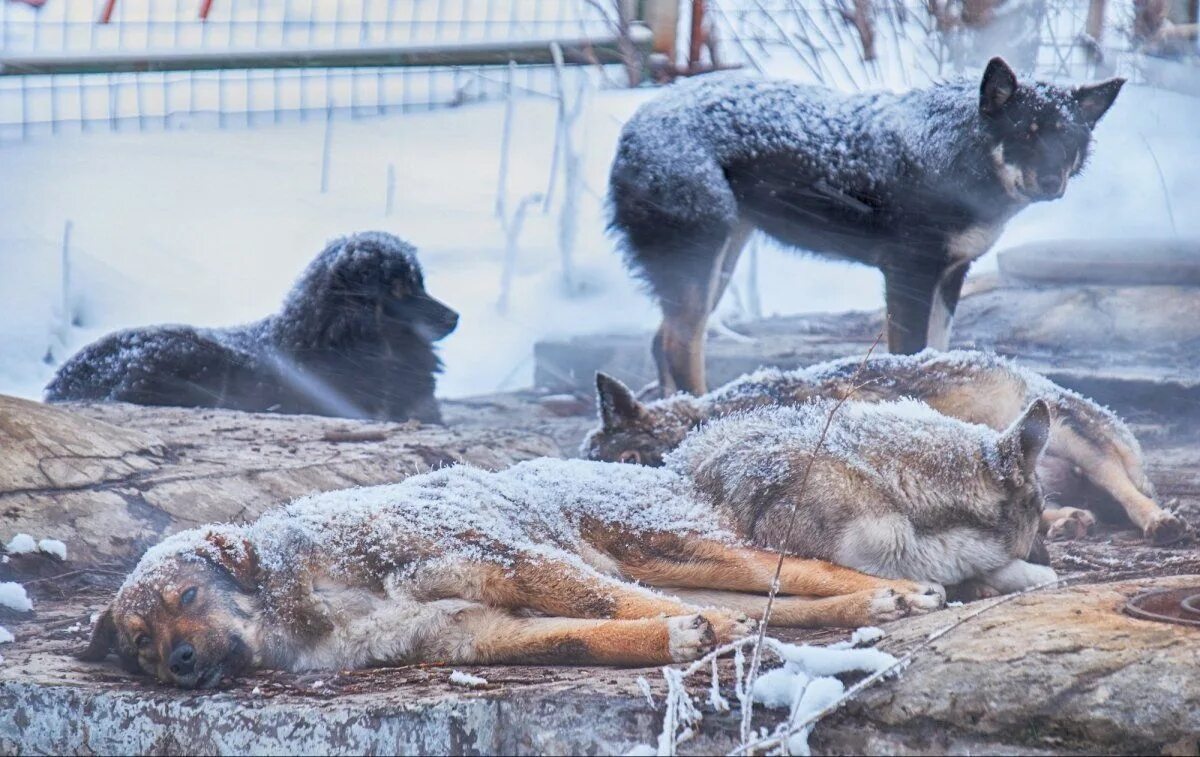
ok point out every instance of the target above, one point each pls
(31, 105)
(918, 41)
(913, 42)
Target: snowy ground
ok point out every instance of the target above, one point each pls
(210, 226)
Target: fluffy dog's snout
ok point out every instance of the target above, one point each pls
(182, 662)
(1051, 185)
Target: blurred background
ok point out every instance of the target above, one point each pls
(183, 160)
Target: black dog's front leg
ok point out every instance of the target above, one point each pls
(920, 306)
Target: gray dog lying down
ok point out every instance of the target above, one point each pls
(538, 563)
(1086, 440)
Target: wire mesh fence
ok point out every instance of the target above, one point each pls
(850, 44)
(33, 104)
(911, 42)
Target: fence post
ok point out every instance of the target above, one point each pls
(696, 43)
(662, 16)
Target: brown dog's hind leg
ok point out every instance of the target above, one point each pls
(705, 564)
(560, 589)
(845, 611)
(486, 635)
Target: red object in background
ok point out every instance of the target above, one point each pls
(110, 6)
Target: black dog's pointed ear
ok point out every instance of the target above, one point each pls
(997, 88)
(618, 406)
(1094, 100)
(104, 638)
(234, 555)
(1027, 437)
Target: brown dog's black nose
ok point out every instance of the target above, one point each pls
(183, 659)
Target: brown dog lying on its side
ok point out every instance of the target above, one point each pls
(537, 563)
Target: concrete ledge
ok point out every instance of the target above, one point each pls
(1136, 348)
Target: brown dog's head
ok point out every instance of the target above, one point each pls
(632, 432)
(187, 614)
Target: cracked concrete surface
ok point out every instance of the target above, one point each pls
(111, 480)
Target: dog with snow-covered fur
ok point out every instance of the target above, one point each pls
(354, 339)
(976, 387)
(578, 562)
(918, 185)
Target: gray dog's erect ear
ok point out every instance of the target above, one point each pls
(104, 638)
(1095, 99)
(1027, 437)
(997, 88)
(618, 407)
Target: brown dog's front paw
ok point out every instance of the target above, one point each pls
(729, 625)
(689, 637)
(1164, 528)
(885, 605)
(1070, 524)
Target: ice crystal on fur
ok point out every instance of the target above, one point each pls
(877, 440)
(893, 489)
(531, 510)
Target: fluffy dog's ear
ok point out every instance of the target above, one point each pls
(1094, 100)
(997, 88)
(618, 407)
(1027, 437)
(234, 555)
(104, 638)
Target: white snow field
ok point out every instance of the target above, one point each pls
(210, 227)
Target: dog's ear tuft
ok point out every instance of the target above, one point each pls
(104, 638)
(997, 88)
(1027, 437)
(234, 555)
(1094, 100)
(618, 407)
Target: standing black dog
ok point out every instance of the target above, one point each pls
(354, 339)
(918, 185)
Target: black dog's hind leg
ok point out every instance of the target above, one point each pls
(920, 306)
(679, 344)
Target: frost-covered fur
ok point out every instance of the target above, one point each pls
(536, 563)
(464, 566)
(892, 489)
(977, 387)
(917, 184)
(353, 339)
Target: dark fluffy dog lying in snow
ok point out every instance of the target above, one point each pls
(354, 339)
